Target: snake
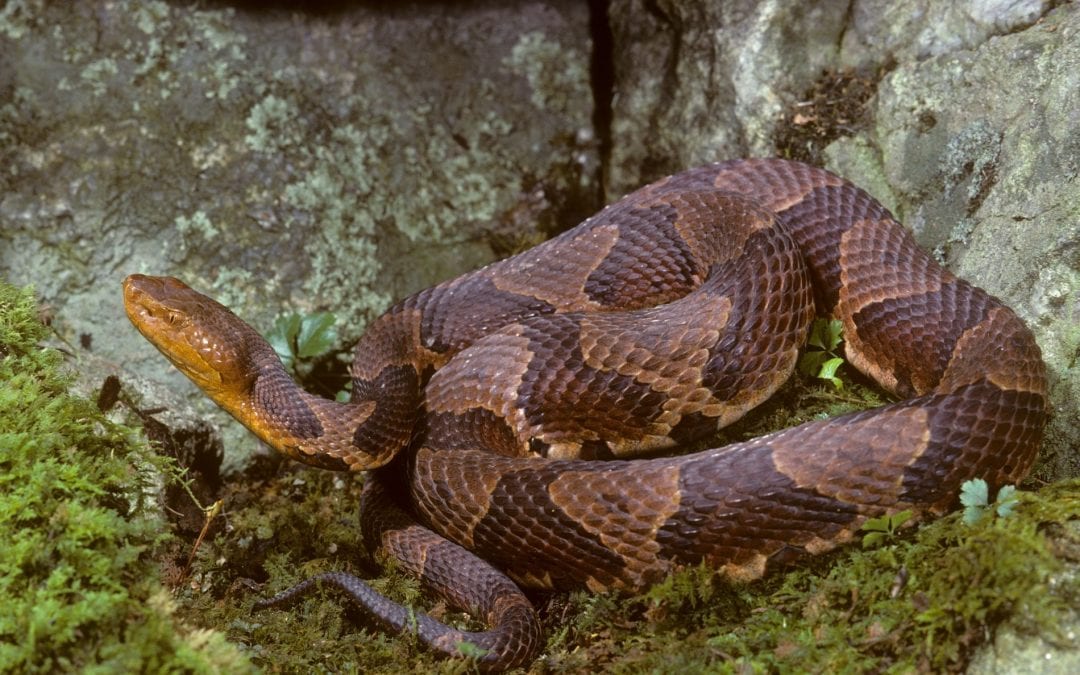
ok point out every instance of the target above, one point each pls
(518, 423)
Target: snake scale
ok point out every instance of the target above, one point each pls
(498, 412)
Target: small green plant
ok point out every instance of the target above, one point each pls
(975, 496)
(880, 530)
(298, 338)
(470, 651)
(823, 361)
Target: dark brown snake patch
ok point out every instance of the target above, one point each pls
(671, 312)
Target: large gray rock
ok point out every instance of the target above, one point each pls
(880, 31)
(973, 137)
(282, 160)
(695, 81)
(980, 153)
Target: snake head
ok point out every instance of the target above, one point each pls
(199, 335)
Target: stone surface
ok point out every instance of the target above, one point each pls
(1016, 651)
(880, 31)
(973, 137)
(280, 160)
(696, 81)
(980, 150)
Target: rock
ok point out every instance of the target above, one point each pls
(881, 31)
(697, 81)
(1017, 651)
(972, 137)
(280, 160)
(980, 150)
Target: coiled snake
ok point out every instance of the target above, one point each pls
(497, 409)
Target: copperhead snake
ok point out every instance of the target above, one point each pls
(497, 411)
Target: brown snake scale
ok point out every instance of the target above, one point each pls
(496, 410)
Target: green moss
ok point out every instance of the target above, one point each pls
(18, 17)
(198, 224)
(79, 522)
(556, 73)
(923, 603)
(271, 124)
(269, 539)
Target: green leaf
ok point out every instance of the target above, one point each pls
(826, 334)
(899, 518)
(828, 371)
(876, 524)
(317, 335)
(810, 363)
(470, 650)
(881, 529)
(282, 337)
(974, 495)
(833, 330)
(1006, 500)
(823, 362)
(974, 492)
(295, 336)
(973, 514)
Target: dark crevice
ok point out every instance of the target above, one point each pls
(602, 75)
(845, 26)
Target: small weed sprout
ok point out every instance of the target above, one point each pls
(822, 361)
(412, 621)
(470, 651)
(975, 496)
(880, 530)
(297, 338)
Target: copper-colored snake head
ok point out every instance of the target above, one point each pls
(200, 336)
(240, 371)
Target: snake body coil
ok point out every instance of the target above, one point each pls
(511, 396)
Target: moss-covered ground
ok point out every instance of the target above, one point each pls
(80, 528)
(81, 585)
